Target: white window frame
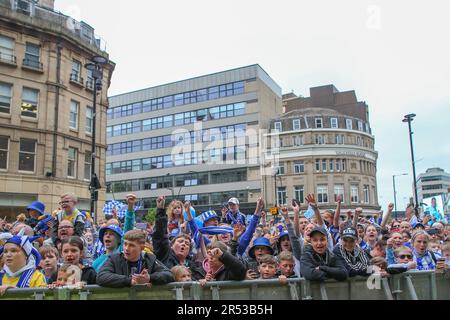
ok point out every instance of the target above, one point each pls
(7, 153)
(298, 190)
(86, 163)
(349, 124)
(331, 165)
(317, 121)
(7, 50)
(334, 123)
(322, 190)
(354, 192)
(296, 124)
(31, 102)
(38, 61)
(366, 191)
(324, 165)
(339, 189)
(7, 97)
(299, 166)
(74, 163)
(27, 152)
(281, 191)
(91, 119)
(360, 126)
(317, 165)
(77, 111)
(278, 124)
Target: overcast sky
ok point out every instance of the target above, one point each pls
(394, 54)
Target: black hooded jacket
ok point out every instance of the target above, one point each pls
(116, 272)
(329, 265)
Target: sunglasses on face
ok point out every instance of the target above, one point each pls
(405, 256)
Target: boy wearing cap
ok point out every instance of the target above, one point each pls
(356, 260)
(111, 235)
(234, 215)
(318, 262)
(35, 210)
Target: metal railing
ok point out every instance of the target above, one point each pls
(34, 64)
(413, 285)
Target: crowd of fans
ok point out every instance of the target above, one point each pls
(66, 248)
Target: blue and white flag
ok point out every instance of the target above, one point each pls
(211, 230)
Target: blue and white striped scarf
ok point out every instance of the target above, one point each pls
(425, 261)
(211, 230)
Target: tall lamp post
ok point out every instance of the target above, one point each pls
(409, 118)
(395, 193)
(95, 66)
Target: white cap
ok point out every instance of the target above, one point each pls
(234, 200)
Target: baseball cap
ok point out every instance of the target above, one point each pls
(349, 233)
(233, 200)
(319, 229)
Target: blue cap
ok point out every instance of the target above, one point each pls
(111, 227)
(208, 215)
(282, 234)
(260, 242)
(175, 232)
(38, 206)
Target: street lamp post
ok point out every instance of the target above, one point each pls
(395, 193)
(95, 66)
(408, 118)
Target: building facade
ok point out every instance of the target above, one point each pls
(322, 144)
(46, 114)
(196, 139)
(433, 183)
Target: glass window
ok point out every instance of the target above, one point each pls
(338, 165)
(339, 191)
(29, 105)
(238, 87)
(366, 193)
(146, 106)
(334, 123)
(202, 95)
(299, 193)
(296, 124)
(5, 97)
(319, 123)
(360, 126)
(72, 162)
(136, 165)
(281, 196)
(324, 165)
(319, 139)
(280, 168)
(239, 109)
(278, 126)
(179, 99)
(87, 165)
(317, 165)
(89, 119)
(73, 118)
(322, 194)
(348, 124)
(108, 169)
(4, 146)
(137, 108)
(168, 121)
(76, 71)
(354, 194)
(213, 93)
(331, 165)
(7, 49)
(299, 166)
(168, 102)
(27, 155)
(32, 55)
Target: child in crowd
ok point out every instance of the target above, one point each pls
(20, 262)
(435, 247)
(72, 253)
(49, 261)
(286, 265)
(267, 267)
(379, 265)
(181, 274)
(175, 216)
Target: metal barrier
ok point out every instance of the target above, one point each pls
(412, 285)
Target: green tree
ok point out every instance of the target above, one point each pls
(150, 216)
